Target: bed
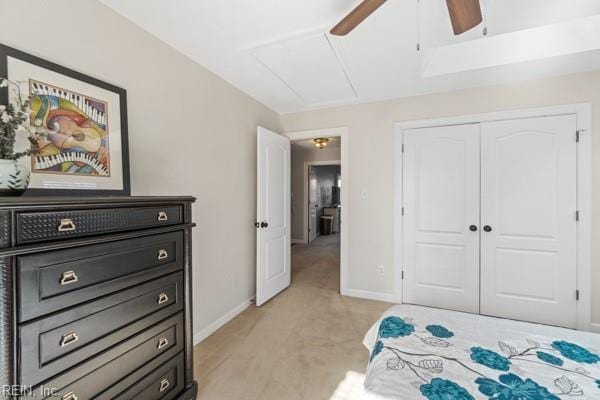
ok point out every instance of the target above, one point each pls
(426, 353)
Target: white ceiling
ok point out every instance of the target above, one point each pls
(278, 51)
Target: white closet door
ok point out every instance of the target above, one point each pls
(528, 259)
(441, 203)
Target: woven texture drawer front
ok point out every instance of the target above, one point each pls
(45, 226)
(4, 229)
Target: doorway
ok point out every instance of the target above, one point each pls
(324, 198)
(331, 201)
(278, 203)
(316, 212)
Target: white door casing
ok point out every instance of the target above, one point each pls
(529, 200)
(441, 202)
(273, 247)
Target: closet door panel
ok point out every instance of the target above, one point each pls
(441, 202)
(528, 259)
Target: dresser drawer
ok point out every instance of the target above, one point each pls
(33, 227)
(54, 280)
(116, 370)
(164, 383)
(58, 342)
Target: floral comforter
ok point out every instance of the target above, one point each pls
(426, 353)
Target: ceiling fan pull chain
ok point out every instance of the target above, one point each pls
(418, 25)
(485, 17)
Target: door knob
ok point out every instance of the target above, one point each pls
(487, 228)
(264, 224)
(473, 228)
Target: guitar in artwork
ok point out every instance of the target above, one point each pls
(75, 132)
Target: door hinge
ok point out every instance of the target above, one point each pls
(577, 215)
(577, 295)
(577, 134)
(403, 147)
(403, 211)
(402, 274)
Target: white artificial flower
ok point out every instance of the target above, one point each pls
(3, 83)
(5, 117)
(2, 108)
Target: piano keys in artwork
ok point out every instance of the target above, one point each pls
(46, 162)
(80, 101)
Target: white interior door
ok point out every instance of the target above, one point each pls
(441, 206)
(273, 247)
(313, 205)
(528, 258)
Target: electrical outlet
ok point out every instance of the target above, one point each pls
(381, 270)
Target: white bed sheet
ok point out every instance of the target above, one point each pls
(426, 353)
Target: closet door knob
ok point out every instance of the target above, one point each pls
(487, 228)
(264, 225)
(473, 228)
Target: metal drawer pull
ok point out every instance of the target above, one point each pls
(162, 216)
(162, 343)
(163, 298)
(162, 254)
(69, 396)
(68, 338)
(66, 225)
(164, 384)
(68, 277)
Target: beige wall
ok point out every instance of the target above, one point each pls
(301, 155)
(371, 162)
(191, 133)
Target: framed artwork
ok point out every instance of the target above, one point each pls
(83, 146)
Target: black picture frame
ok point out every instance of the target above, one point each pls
(6, 52)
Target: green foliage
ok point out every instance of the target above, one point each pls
(14, 119)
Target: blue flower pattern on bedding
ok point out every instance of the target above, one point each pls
(442, 389)
(512, 387)
(394, 327)
(439, 331)
(490, 359)
(549, 358)
(507, 386)
(575, 352)
(377, 349)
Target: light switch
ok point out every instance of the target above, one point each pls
(364, 194)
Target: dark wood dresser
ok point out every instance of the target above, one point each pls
(96, 298)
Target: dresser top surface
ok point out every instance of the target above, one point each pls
(25, 201)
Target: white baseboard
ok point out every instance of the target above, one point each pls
(595, 327)
(229, 315)
(366, 294)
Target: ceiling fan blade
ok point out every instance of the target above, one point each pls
(358, 15)
(464, 14)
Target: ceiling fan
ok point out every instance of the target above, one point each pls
(464, 15)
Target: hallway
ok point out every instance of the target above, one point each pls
(317, 264)
(305, 344)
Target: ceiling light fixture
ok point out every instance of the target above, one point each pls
(321, 143)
